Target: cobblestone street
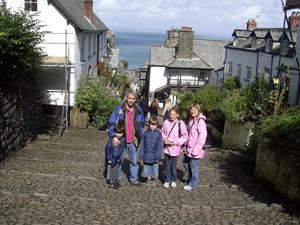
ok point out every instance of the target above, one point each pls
(62, 181)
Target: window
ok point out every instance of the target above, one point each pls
(31, 5)
(239, 70)
(285, 47)
(230, 68)
(248, 73)
(254, 42)
(269, 45)
(235, 41)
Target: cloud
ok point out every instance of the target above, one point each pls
(218, 16)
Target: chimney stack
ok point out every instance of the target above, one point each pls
(186, 39)
(294, 19)
(251, 24)
(88, 9)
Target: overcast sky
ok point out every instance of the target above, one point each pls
(206, 17)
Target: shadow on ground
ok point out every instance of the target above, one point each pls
(236, 169)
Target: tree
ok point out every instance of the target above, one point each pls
(20, 34)
(125, 63)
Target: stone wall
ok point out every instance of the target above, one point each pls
(236, 136)
(275, 168)
(21, 118)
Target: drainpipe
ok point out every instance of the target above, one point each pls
(224, 69)
(98, 45)
(272, 59)
(257, 52)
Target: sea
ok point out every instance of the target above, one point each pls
(135, 46)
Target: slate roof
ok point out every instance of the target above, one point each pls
(194, 63)
(208, 54)
(241, 33)
(73, 11)
(262, 34)
(160, 55)
(211, 51)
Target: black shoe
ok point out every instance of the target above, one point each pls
(135, 183)
(117, 185)
(112, 183)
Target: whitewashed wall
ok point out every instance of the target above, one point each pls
(158, 78)
(258, 63)
(54, 45)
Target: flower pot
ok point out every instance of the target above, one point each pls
(79, 119)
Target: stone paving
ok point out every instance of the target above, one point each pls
(62, 181)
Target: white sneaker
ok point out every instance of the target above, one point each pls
(173, 184)
(166, 185)
(188, 188)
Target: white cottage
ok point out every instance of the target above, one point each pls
(76, 35)
(183, 63)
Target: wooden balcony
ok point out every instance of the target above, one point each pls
(186, 83)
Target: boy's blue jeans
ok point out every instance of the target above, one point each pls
(192, 170)
(134, 167)
(171, 168)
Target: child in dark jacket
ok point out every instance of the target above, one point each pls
(113, 156)
(151, 151)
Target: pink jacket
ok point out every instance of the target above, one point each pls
(197, 134)
(174, 150)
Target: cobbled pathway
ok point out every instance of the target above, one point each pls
(62, 181)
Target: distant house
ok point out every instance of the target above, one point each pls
(263, 50)
(76, 35)
(183, 62)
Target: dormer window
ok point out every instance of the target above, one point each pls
(285, 46)
(269, 45)
(30, 5)
(235, 41)
(254, 42)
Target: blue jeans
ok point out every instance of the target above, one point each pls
(192, 170)
(171, 168)
(150, 170)
(134, 167)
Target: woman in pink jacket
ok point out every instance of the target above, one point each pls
(194, 151)
(174, 135)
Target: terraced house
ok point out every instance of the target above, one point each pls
(264, 50)
(76, 39)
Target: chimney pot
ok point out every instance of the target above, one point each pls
(251, 24)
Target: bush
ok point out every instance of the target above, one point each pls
(95, 98)
(257, 94)
(20, 56)
(232, 83)
(210, 99)
(280, 133)
(235, 108)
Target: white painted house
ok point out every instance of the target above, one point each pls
(183, 63)
(263, 50)
(76, 35)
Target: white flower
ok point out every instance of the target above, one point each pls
(275, 81)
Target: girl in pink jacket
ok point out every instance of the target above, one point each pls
(194, 151)
(174, 135)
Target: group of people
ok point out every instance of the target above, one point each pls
(126, 133)
(152, 109)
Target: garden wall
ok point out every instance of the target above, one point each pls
(236, 136)
(275, 167)
(21, 118)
